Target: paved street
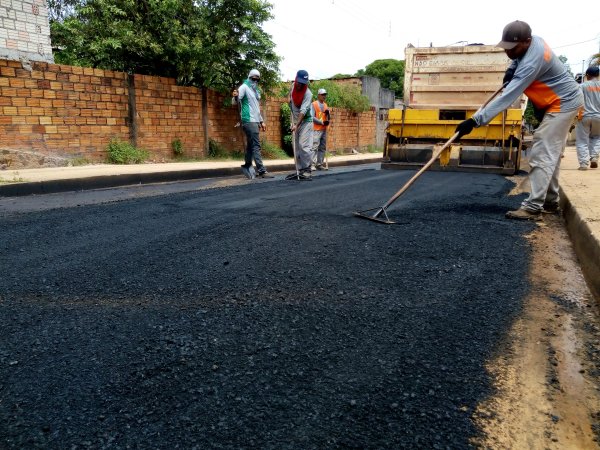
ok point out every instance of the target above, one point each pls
(260, 315)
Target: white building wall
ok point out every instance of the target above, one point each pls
(24, 30)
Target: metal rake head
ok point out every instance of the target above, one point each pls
(376, 216)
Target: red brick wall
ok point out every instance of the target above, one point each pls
(70, 111)
(350, 130)
(56, 109)
(272, 116)
(167, 112)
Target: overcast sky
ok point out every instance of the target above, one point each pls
(326, 37)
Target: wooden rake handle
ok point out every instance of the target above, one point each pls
(435, 155)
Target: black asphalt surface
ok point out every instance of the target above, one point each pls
(260, 316)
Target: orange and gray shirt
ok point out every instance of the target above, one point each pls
(319, 115)
(543, 78)
(591, 96)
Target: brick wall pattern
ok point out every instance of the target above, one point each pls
(71, 111)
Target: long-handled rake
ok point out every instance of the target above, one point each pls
(382, 210)
(328, 115)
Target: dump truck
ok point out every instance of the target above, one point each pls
(442, 87)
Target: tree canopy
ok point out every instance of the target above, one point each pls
(60, 9)
(389, 71)
(204, 43)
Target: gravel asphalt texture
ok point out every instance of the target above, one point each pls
(260, 316)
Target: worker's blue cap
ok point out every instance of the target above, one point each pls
(302, 77)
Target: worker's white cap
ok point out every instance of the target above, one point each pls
(322, 91)
(254, 73)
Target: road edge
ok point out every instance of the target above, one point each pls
(586, 245)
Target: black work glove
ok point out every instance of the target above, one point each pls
(508, 75)
(326, 123)
(465, 127)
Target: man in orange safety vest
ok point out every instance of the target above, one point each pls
(321, 116)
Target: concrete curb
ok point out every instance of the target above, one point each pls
(52, 186)
(585, 244)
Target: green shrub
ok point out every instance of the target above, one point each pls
(286, 124)
(217, 151)
(120, 152)
(271, 151)
(177, 147)
(78, 161)
(338, 95)
(342, 96)
(288, 145)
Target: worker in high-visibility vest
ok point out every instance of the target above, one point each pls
(321, 116)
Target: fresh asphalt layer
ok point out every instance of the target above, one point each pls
(260, 316)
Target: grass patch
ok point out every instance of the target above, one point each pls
(216, 151)
(374, 149)
(120, 152)
(79, 161)
(271, 151)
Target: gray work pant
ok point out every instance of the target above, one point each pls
(303, 145)
(587, 135)
(544, 159)
(319, 146)
(253, 146)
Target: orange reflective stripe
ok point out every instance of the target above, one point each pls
(547, 52)
(543, 97)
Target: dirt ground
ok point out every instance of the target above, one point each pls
(547, 382)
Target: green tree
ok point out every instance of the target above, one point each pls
(203, 43)
(148, 37)
(389, 71)
(210, 43)
(58, 10)
(234, 43)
